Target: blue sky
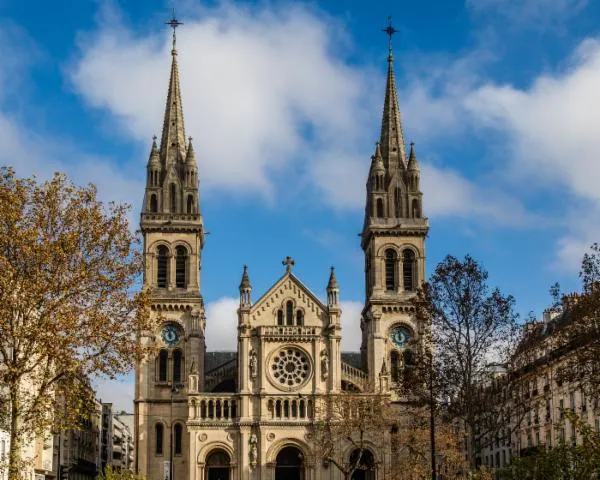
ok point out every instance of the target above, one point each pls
(502, 98)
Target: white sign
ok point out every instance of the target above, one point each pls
(166, 470)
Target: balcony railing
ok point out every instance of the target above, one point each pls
(286, 408)
(213, 408)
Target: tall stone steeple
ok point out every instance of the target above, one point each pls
(173, 232)
(393, 240)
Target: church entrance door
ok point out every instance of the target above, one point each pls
(289, 464)
(217, 465)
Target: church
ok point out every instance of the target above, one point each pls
(249, 414)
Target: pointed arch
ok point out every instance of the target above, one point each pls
(391, 259)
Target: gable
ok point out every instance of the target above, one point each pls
(288, 287)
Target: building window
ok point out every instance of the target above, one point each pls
(289, 313)
(390, 270)
(162, 271)
(279, 317)
(408, 270)
(178, 438)
(177, 361)
(173, 191)
(380, 208)
(181, 267)
(416, 211)
(398, 198)
(190, 204)
(299, 317)
(153, 203)
(163, 357)
(159, 432)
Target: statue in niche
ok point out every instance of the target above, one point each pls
(194, 366)
(324, 364)
(253, 450)
(253, 364)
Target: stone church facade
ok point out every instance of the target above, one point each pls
(248, 414)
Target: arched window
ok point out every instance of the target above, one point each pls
(279, 317)
(379, 208)
(173, 192)
(163, 358)
(416, 211)
(408, 269)
(299, 317)
(190, 204)
(162, 271)
(153, 203)
(407, 355)
(398, 202)
(178, 439)
(181, 261)
(395, 366)
(289, 313)
(366, 465)
(390, 270)
(159, 431)
(177, 361)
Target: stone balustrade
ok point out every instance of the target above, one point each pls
(213, 407)
(289, 408)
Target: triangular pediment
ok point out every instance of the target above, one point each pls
(288, 287)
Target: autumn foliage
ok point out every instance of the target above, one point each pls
(68, 265)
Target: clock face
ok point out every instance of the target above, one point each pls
(170, 334)
(400, 336)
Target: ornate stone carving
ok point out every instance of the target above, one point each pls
(253, 364)
(270, 437)
(324, 365)
(253, 450)
(202, 437)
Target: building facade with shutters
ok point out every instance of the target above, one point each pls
(248, 414)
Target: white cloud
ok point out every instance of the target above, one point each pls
(531, 11)
(551, 130)
(351, 332)
(261, 88)
(221, 324)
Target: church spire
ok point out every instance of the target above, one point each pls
(172, 145)
(392, 137)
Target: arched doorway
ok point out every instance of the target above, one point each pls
(289, 464)
(366, 465)
(218, 465)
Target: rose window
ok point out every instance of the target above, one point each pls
(290, 368)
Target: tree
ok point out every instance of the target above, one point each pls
(354, 422)
(111, 473)
(471, 337)
(411, 446)
(578, 335)
(575, 462)
(66, 311)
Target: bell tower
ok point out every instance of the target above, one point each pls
(393, 241)
(173, 233)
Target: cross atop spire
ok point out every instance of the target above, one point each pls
(289, 263)
(390, 30)
(174, 23)
(172, 145)
(392, 137)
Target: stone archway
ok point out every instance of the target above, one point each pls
(290, 464)
(218, 465)
(366, 466)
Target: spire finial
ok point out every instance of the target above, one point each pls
(390, 30)
(174, 23)
(289, 263)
